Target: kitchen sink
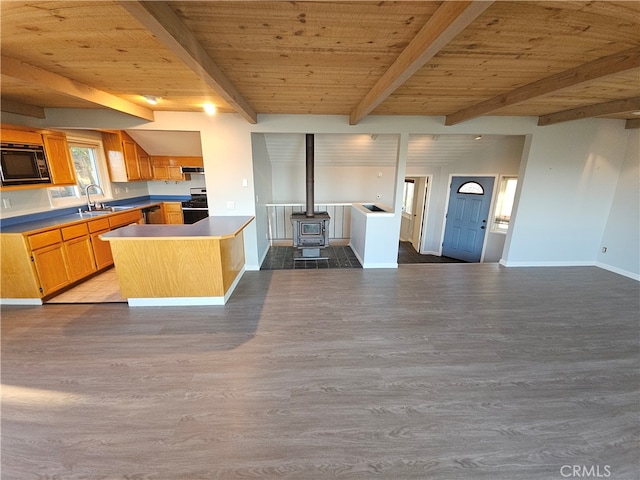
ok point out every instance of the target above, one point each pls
(94, 213)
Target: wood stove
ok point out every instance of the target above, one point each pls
(310, 228)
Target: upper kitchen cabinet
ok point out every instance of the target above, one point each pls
(59, 156)
(56, 152)
(144, 163)
(122, 156)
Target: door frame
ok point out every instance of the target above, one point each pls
(426, 200)
(492, 205)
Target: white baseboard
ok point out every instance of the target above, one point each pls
(546, 264)
(20, 301)
(604, 266)
(379, 265)
(619, 271)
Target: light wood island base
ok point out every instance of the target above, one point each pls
(167, 265)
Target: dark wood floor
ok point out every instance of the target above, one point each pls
(463, 371)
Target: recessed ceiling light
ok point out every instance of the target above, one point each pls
(209, 108)
(151, 99)
(478, 137)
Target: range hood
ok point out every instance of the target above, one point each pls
(192, 170)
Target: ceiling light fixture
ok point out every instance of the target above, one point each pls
(637, 112)
(151, 99)
(478, 137)
(209, 108)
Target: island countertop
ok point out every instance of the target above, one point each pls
(218, 227)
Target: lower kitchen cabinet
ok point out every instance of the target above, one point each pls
(40, 263)
(173, 212)
(51, 266)
(101, 249)
(79, 257)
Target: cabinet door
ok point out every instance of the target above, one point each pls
(79, 256)
(131, 159)
(101, 250)
(173, 213)
(51, 267)
(146, 173)
(59, 157)
(175, 173)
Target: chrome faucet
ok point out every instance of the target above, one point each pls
(86, 191)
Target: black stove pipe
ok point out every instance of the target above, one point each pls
(310, 181)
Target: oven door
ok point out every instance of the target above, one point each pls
(192, 214)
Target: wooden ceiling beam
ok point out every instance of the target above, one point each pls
(66, 86)
(27, 110)
(616, 63)
(632, 123)
(597, 110)
(160, 19)
(447, 22)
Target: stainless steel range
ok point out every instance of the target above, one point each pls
(310, 228)
(196, 208)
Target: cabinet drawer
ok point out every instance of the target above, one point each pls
(44, 239)
(74, 231)
(125, 218)
(97, 225)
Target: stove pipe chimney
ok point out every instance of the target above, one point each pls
(310, 166)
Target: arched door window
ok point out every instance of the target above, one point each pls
(473, 188)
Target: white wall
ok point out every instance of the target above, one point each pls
(567, 181)
(334, 183)
(263, 191)
(623, 246)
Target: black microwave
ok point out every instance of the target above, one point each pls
(23, 164)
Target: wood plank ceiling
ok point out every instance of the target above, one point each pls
(558, 61)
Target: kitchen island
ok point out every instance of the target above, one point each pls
(162, 265)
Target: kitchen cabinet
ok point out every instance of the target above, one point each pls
(172, 212)
(56, 150)
(166, 168)
(47, 254)
(59, 158)
(78, 251)
(169, 212)
(125, 218)
(51, 266)
(144, 162)
(122, 156)
(101, 249)
(41, 262)
(130, 153)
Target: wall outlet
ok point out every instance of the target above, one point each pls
(245, 182)
(604, 249)
(231, 205)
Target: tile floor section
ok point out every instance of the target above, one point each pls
(407, 255)
(338, 256)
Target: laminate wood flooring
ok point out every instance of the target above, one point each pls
(463, 371)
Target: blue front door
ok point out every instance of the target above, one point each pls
(467, 216)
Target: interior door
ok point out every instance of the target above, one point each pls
(467, 215)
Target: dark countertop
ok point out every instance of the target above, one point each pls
(213, 227)
(70, 218)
